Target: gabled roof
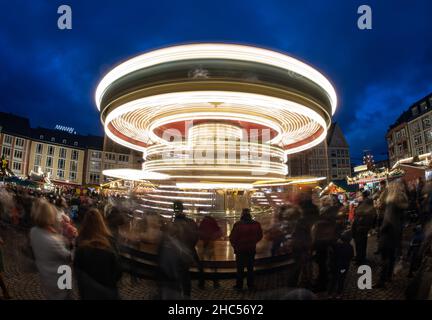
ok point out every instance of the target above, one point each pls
(335, 137)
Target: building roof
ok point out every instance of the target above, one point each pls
(66, 138)
(408, 115)
(15, 125)
(20, 126)
(335, 137)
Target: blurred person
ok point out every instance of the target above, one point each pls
(177, 254)
(96, 263)
(49, 249)
(389, 243)
(414, 248)
(64, 223)
(276, 233)
(380, 202)
(364, 220)
(309, 215)
(3, 286)
(323, 236)
(209, 232)
(115, 219)
(244, 236)
(340, 257)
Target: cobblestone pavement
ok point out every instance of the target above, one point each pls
(24, 283)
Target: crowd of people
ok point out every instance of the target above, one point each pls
(83, 232)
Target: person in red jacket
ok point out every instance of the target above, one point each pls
(244, 236)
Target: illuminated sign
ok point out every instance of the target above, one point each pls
(66, 129)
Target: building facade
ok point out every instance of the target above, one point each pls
(411, 134)
(65, 157)
(338, 154)
(330, 159)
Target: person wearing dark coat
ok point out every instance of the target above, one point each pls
(96, 263)
(177, 254)
(341, 254)
(244, 236)
(323, 237)
(364, 220)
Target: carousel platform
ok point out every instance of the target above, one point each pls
(139, 252)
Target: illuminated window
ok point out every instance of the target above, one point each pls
(6, 152)
(16, 166)
(61, 164)
(18, 154)
(60, 174)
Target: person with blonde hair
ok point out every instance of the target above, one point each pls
(96, 262)
(49, 250)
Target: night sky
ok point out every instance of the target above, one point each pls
(50, 75)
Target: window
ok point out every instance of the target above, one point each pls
(7, 140)
(415, 127)
(16, 166)
(428, 136)
(49, 162)
(96, 154)
(52, 139)
(417, 140)
(110, 156)
(36, 168)
(38, 160)
(50, 150)
(60, 174)
(74, 155)
(414, 111)
(62, 153)
(64, 141)
(420, 150)
(426, 123)
(95, 166)
(19, 143)
(73, 166)
(72, 176)
(423, 106)
(61, 164)
(41, 137)
(94, 178)
(18, 154)
(123, 158)
(49, 172)
(76, 143)
(39, 148)
(6, 151)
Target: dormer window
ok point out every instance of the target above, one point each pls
(64, 141)
(75, 143)
(414, 111)
(41, 137)
(52, 139)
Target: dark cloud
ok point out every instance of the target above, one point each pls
(50, 75)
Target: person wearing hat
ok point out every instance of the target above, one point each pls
(244, 236)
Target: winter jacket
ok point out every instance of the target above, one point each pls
(244, 236)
